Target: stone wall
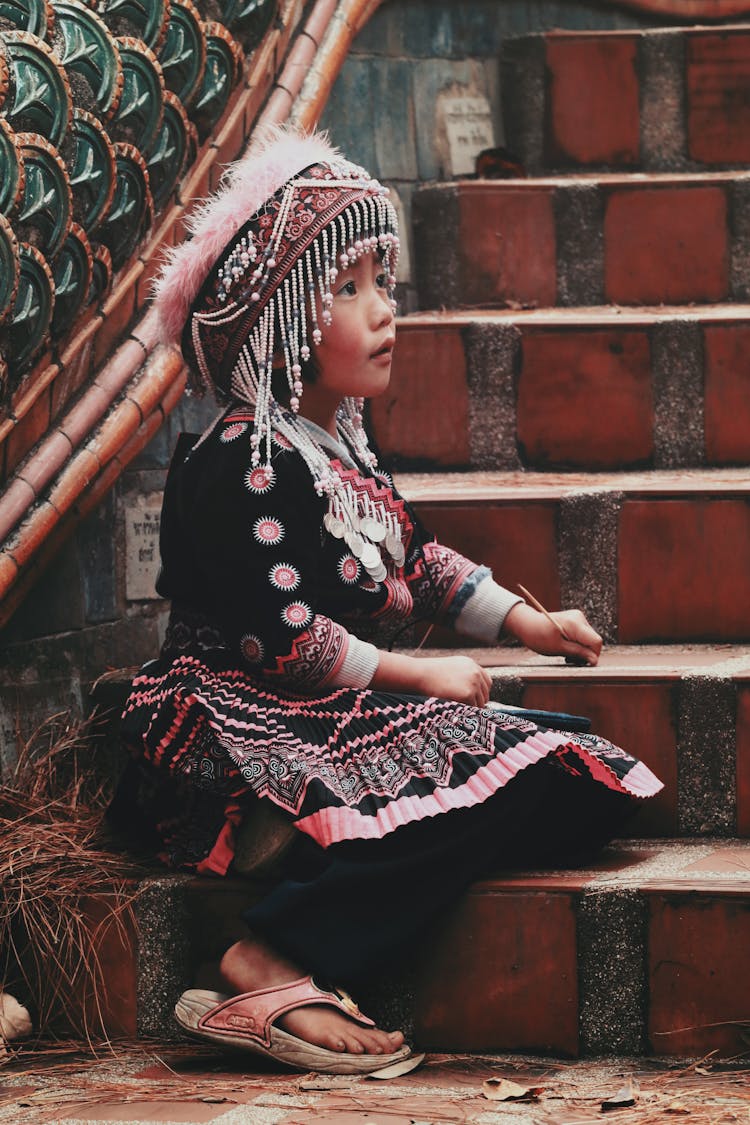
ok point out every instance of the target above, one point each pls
(94, 610)
(389, 106)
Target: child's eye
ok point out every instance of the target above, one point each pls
(381, 281)
(349, 288)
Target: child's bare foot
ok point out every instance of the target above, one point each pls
(250, 964)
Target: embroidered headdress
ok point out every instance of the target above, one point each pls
(254, 281)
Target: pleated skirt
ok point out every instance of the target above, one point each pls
(344, 765)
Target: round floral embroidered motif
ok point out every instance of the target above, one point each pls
(260, 479)
(369, 585)
(232, 431)
(252, 648)
(268, 530)
(282, 441)
(284, 576)
(349, 569)
(296, 614)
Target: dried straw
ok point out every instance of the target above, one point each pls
(62, 891)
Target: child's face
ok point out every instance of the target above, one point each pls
(354, 357)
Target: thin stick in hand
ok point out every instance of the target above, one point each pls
(537, 605)
(540, 608)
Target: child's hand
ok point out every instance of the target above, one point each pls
(535, 631)
(456, 677)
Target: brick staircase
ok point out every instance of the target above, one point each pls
(583, 426)
(585, 429)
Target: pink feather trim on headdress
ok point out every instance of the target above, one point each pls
(272, 158)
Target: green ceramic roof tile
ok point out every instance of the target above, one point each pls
(9, 268)
(12, 173)
(141, 108)
(72, 275)
(223, 69)
(248, 19)
(41, 100)
(142, 19)
(36, 16)
(131, 213)
(102, 105)
(168, 158)
(46, 211)
(91, 170)
(32, 312)
(183, 56)
(90, 56)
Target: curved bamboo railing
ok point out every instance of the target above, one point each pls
(81, 458)
(694, 11)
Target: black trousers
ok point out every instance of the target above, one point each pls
(347, 911)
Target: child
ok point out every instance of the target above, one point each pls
(284, 546)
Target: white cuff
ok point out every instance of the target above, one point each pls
(484, 613)
(358, 666)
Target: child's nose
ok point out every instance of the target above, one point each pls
(381, 305)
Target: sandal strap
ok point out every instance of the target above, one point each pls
(252, 1014)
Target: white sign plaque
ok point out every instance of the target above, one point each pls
(467, 120)
(141, 549)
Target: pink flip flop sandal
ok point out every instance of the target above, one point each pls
(246, 1022)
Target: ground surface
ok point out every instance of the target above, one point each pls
(181, 1085)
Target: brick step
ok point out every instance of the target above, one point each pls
(651, 99)
(682, 709)
(591, 389)
(643, 951)
(589, 240)
(659, 556)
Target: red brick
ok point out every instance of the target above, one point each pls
(683, 567)
(568, 378)
(698, 973)
(196, 184)
(718, 96)
(502, 537)
(502, 975)
(592, 99)
(424, 412)
(666, 245)
(742, 752)
(75, 363)
(231, 139)
(118, 310)
(727, 393)
(111, 1005)
(507, 245)
(638, 717)
(29, 430)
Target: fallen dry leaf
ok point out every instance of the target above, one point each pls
(676, 1107)
(624, 1097)
(502, 1090)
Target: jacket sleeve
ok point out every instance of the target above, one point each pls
(452, 590)
(260, 548)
